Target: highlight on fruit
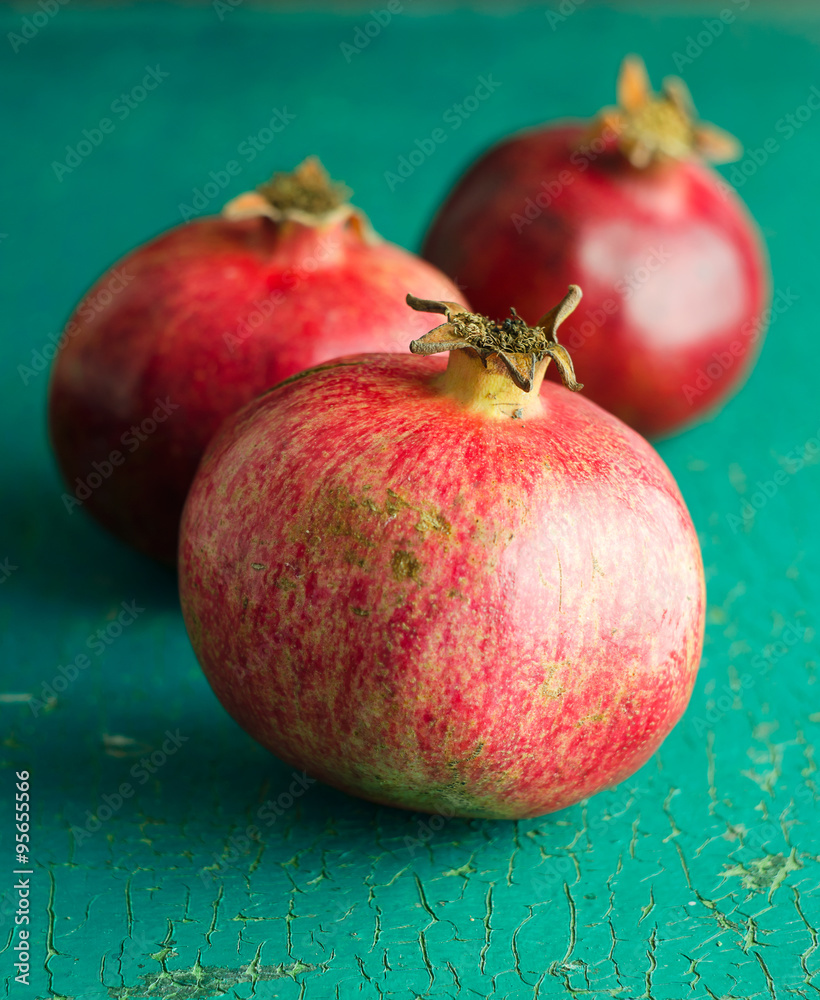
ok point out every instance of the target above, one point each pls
(626, 205)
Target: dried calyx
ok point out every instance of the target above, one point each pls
(519, 347)
(306, 194)
(308, 188)
(652, 128)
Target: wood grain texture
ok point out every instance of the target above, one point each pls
(696, 878)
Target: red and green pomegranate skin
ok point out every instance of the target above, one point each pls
(674, 271)
(436, 610)
(211, 314)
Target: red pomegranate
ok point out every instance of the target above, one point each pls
(190, 326)
(673, 268)
(437, 587)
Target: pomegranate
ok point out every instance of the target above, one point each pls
(449, 588)
(674, 270)
(197, 322)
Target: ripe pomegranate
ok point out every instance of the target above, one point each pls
(197, 322)
(438, 587)
(673, 268)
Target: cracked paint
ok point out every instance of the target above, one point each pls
(696, 878)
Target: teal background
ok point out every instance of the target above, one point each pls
(696, 878)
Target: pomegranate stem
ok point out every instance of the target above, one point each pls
(519, 347)
(497, 368)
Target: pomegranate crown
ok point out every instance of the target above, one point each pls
(651, 128)
(518, 346)
(309, 188)
(306, 194)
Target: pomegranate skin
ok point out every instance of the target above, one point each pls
(434, 610)
(201, 320)
(674, 272)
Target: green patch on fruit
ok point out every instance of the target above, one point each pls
(591, 717)
(340, 499)
(430, 520)
(549, 689)
(476, 752)
(394, 504)
(455, 799)
(347, 516)
(344, 516)
(405, 566)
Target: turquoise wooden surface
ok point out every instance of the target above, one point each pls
(696, 878)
